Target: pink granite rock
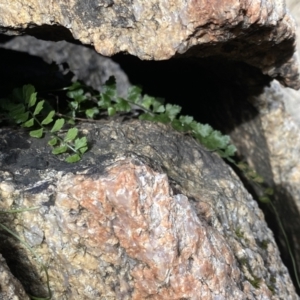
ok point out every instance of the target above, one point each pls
(117, 226)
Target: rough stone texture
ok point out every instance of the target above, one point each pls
(291, 97)
(10, 287)
(147, 214)
(260, 33)
(271, 144)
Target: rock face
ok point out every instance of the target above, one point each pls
(271, 144)
(147, 214)
(260, 33)
(10, 287)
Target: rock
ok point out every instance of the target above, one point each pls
(10, 287)
(290, 96)
(259, 33)
(147, 213)
(271, 144)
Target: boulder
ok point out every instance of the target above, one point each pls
(259, 33)
(148, 213)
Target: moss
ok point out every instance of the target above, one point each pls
(271, 288)
(239, 233)
(243, 261)
(264, 244)
(255, 281)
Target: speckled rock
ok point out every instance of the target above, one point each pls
(291, 97)
(267, 136)
(271, 145)
(10, 287)
(147, 214)
(260, 33)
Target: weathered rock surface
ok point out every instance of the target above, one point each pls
(291, 97)
(148, 213)
(260, 33)
(271, 144)
(10, 287)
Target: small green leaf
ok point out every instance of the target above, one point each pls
(111, 111)
(162, 118)
(134, 94)
(73, 158)
(216, 140)
(71, 122)
(122, 105)
(58, 125)
(80, 142)
(91, 112)
(147, 101)
(157, 105)
(110, 88)
(75, 86)
(60, 149)
(179, 126)
(105, 101)
(32, 100)
(17, 110)
(75, 94)
(73, 105)
(203, 130)
(258, 179)
(38, 107)
(230, 150)
(36, 133)
(53, 141)
(264, 199)
(49, 118)
(242, 166)
(28, 90)
(71, 135)
(29, 123)
(83, 150)
(21, 118)
(172, 111)
(186, 119)
(269, 191)
(251, 173)
(147, 117)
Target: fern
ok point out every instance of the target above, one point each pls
(84, 104)
(24, 109)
